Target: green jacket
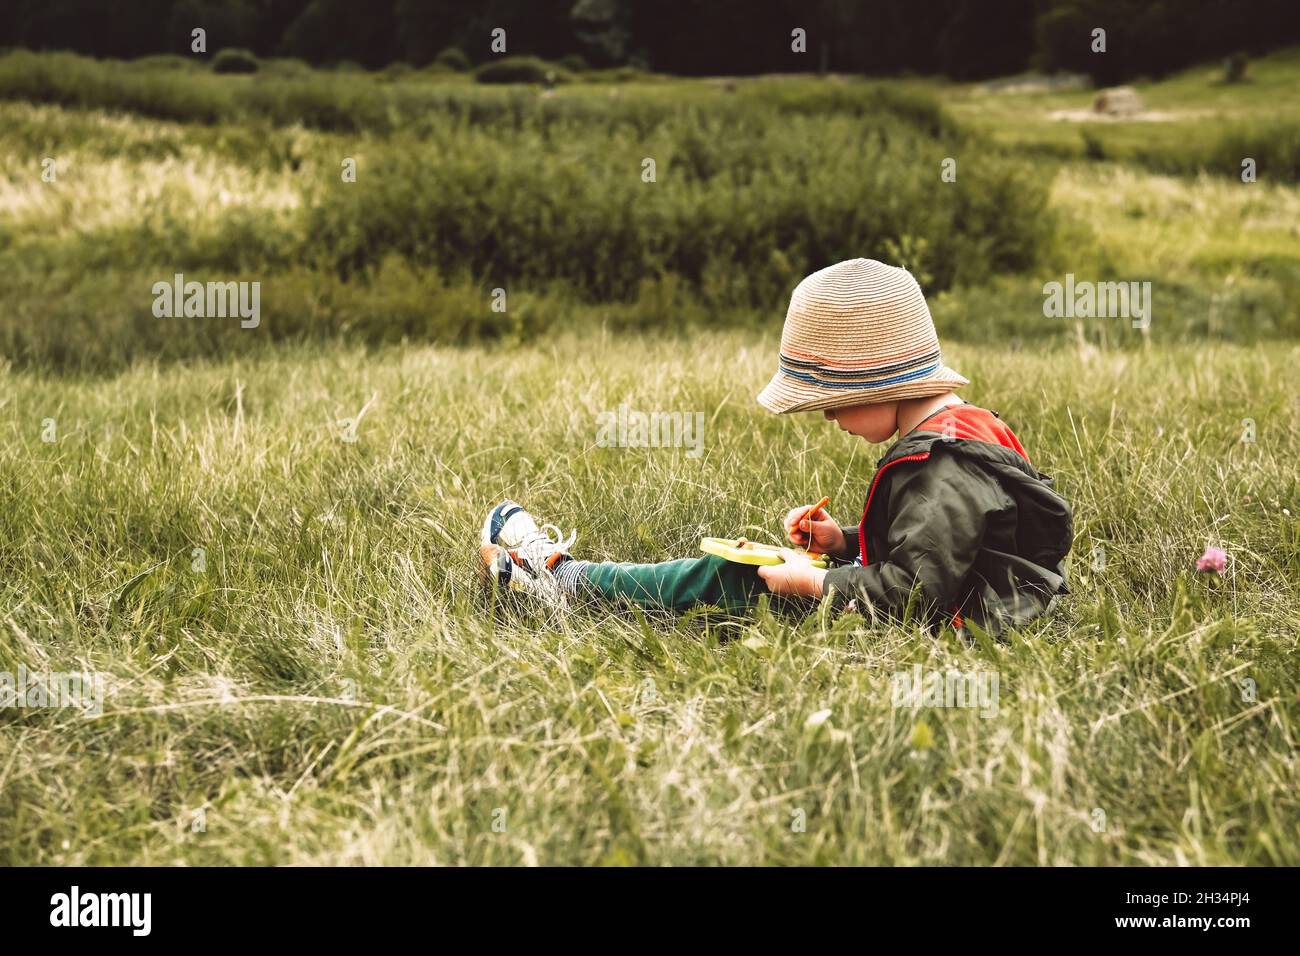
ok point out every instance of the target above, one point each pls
(971, 525)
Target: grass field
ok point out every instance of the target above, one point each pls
(268, 547)
(1190, 119)
(335, 687)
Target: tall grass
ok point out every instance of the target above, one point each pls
(331, 685)
(1194, 123)
(172, 88)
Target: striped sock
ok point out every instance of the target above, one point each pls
(569, 576)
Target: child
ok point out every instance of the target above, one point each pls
(956, 524)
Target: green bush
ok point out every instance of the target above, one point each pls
(165, 61)
(735, 192)
(1093, 147)
(574, 63)
(286, 66)
(453, 59)
(518, 69)
(466, 188)
(233, 60)
(289, 93)
(326, 101)
(1275, 149)
(627, 74)
(396, 71)
(75, 81)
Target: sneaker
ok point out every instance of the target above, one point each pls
(520, 556)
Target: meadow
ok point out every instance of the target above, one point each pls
(265, 539)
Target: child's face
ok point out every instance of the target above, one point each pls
(875, 423)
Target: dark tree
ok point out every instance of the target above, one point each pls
(965, 39)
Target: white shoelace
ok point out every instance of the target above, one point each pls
(538, 546)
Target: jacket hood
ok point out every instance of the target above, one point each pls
(1045, 522)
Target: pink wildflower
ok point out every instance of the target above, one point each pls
(1214, 559)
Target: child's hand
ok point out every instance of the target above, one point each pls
(827, 538)
(796, 576)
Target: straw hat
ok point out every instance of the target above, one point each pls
(857, 333)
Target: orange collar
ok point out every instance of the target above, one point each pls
(973, 424)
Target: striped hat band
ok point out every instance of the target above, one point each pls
(857, 332)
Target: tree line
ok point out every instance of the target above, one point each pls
(962, 39)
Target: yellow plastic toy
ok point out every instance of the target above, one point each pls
(740, 551)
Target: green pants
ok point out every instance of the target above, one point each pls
(677, 585)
